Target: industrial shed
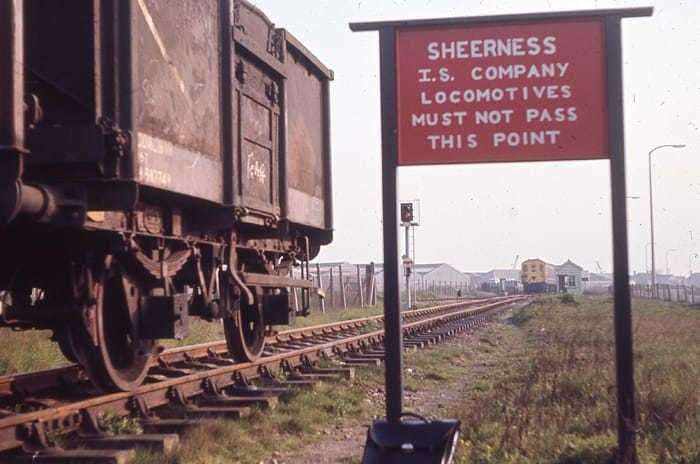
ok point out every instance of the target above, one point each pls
(570, 278)
(429, 275)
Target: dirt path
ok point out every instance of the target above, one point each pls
(449, 378)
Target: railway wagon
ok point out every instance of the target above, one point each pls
(158, 160)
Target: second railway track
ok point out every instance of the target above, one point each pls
(193, 383)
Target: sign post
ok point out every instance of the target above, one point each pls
(512, 88)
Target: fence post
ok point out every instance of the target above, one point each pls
(320, 285)
(370, 281)
(342, 287)
(332, 287)
(374, 290)
(359, 287)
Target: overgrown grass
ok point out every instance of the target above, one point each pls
(556, 402)
(28, 351)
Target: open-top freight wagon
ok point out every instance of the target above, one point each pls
(158, 160)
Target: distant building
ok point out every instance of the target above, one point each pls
(442, 272)
(693, 280)
(498, 281)
(431, 275)
(597, 282)
(641, 278)
(569, 278)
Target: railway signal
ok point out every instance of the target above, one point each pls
(406, 213)
(554, 93)
(409, 221)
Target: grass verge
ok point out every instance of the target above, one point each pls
(553, 400)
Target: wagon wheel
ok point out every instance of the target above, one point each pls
(67, 339)
(112, 354)
(244, 326)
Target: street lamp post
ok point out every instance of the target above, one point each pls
(651, 214)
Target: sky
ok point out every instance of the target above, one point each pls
(480, 217)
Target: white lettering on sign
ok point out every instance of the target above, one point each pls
(452, 141)
(545, 115)
(434, 119)
(465, 49)
(519, 71)
(514, 139)
(493, 117)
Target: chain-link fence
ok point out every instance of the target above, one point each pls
(665, 292)
(343, 285)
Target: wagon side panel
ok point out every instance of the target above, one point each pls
(308, 140)
(177, 89)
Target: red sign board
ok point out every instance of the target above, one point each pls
(502, 93)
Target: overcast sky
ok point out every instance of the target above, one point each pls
(480, 217)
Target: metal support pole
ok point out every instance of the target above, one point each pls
(331, 286)
(651, 225)
(413, 257)
(393, 342)
(408, 276)
(11, 91)
(651, 214)
(627, 420)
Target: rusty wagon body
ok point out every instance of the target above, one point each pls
(158, 159)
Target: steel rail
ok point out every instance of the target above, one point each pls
(34, 382)
(16, 430)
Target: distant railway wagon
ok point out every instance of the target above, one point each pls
(159, 159)
(538, 276)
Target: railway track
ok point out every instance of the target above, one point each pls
(190, 384)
